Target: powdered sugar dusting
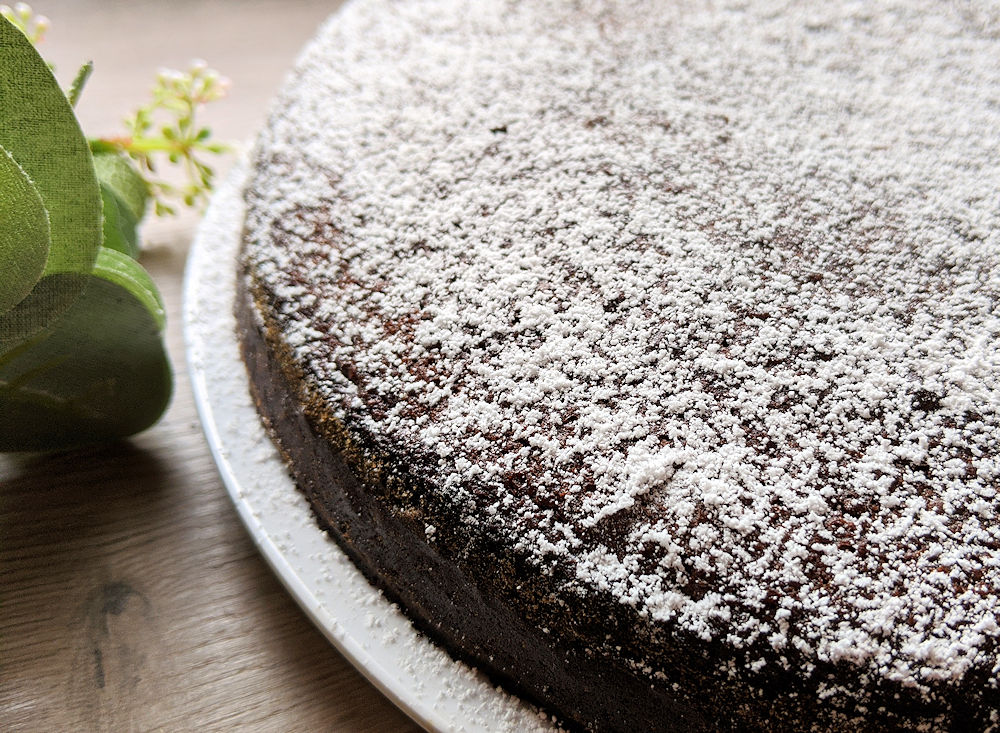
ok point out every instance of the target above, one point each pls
(372, 632)
(705, 301)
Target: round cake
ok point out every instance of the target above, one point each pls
(646, 353)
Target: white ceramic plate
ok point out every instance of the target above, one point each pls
(371, 632)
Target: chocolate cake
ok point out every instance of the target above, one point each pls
(647, 353)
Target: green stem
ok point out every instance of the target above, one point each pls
(56, 403)
(147, 145)
(19, 381)
(154, 145)
(8, 356)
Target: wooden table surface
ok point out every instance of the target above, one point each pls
(131, 597)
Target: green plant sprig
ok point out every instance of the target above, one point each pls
(167, 126)
(26, 20)
(82, 356)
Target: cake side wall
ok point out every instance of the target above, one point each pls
(444, 600)
(468, 590)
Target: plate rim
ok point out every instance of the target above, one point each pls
(207, 354)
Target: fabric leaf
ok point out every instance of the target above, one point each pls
(40, 132)
(24, 233)
(98, 373)
(119, 173)
(120, 225)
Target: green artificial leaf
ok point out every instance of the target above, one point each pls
(120, 225)
(119, 173)
(24, 233)
(124, 195)
(44, 303)
(123, 270)
(98, 373)
(39, 130)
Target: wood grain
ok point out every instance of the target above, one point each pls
(131, 597)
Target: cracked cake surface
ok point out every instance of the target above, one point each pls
(691, 308)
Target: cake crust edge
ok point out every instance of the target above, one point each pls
(387, 543)
(465, 590)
